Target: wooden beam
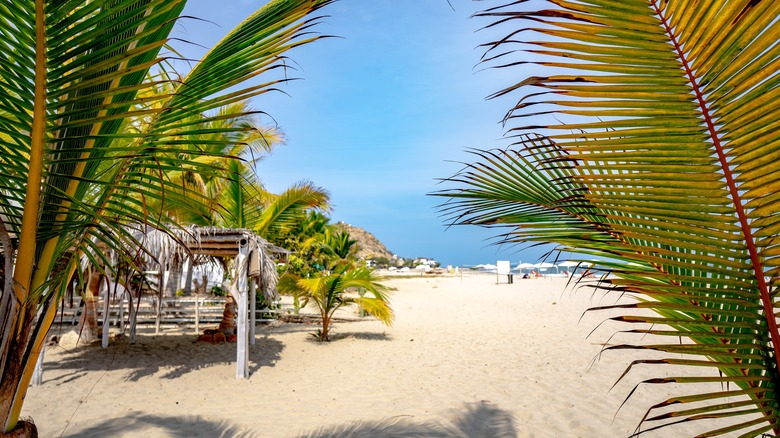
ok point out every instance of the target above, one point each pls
(242, 344)
(216, 252)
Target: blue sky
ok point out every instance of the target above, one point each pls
(381, 112)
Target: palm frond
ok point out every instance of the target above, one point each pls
(664, 164)
(285, 210)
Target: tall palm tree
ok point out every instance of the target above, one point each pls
(76, 172)
(234, 141)
(235, 196)
(662, 160)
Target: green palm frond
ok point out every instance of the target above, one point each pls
(376, 308)
(206, 118)
(284, 211)
(662, 160)
(253, 48)
(242, 198)
(338, 244)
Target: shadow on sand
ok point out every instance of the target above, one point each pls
(472, 421)
(184, 427)
(367, 336)
(170, 355)
(477, 420)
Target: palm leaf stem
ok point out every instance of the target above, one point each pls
(766, 300)
(27, 235)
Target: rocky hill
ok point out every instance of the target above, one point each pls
(368, 245)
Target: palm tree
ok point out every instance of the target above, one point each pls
(662, 160)
(234, 195)
(77, 173)
(305, 238)
(228, 146)
(338, 244)
(283, 213)
(330, 292)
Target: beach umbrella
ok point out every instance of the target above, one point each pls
(523, 266)
(544, 266)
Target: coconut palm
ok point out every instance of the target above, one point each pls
(283, 213)
(230, 194)
(243, 202)
(332, 291)
(338, 244)
(235, 196)
(77, 170)
(234, 141)
(305, 239)
(662, 159)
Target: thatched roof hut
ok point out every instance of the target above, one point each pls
(250, 257)
(204, 243)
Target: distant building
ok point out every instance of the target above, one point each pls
(426, 262)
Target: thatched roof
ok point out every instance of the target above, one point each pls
(210, 242)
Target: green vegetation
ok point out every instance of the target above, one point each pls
(91, 131)
(231, 195)
(324, 273)
(315, 243)
(662, 161)
(329, 291)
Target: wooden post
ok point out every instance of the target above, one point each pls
(197, 314)
(261, 283)
(122, 312)
(252, 311)
(161, 288)
(134, 315)
(190, 269)
(242, 344)
(106, 312)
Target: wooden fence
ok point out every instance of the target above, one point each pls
(191, 310)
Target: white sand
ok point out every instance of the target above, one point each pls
(466, 357)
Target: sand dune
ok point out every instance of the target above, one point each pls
(466, 357)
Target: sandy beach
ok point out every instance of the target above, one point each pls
(466, 357)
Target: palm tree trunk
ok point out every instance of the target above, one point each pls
(188, 283)
(228, 323)
(325, 327)
(7, 303)
(88, 326)
(24, 429)
(14, 366)
(8, 309)
(134, 302)
(174, 278)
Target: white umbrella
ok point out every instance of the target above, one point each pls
(522, 266)
(544, 266)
